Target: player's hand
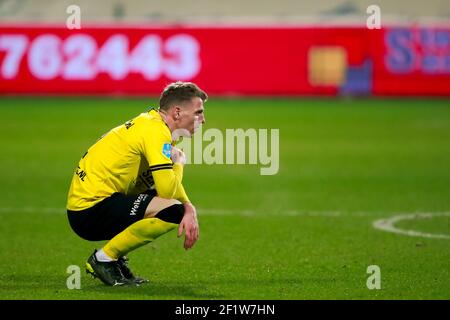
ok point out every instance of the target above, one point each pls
(189, 224)
(178, 156)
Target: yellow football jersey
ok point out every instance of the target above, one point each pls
(131, 158)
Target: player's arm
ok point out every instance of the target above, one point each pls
(179, 160)
(168, 183)
(189, 223)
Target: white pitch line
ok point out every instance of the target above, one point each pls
(388, 224)
(382, 224)
(252, 213)
(31, 210)
(212, 212)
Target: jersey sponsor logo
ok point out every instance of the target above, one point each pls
(137, 203)
(167, 149)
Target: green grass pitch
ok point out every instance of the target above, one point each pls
(304, 233)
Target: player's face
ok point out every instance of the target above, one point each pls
(192, 115)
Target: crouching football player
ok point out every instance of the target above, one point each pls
(128, 188)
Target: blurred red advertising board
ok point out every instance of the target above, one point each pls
(265, 61)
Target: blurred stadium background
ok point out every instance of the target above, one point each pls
(364, 120)
(264, 11)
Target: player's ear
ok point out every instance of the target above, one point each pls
(177, 113)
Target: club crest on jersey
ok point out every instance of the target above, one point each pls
(166, 150)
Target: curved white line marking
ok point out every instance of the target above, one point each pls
(388, 225)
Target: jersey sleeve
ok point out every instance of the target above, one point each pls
(157, 146)
(180, 194)
(168, 185)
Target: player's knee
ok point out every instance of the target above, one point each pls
(172, 214)
(157, 204)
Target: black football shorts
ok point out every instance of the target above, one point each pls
(110, 216)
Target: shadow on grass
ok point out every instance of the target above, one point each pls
(32, 286)
(53, 287)
(213, 289)
(152, 290)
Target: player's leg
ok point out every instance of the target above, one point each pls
(129, 222)
(158, 204)
(169, 210)
(161, 216)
